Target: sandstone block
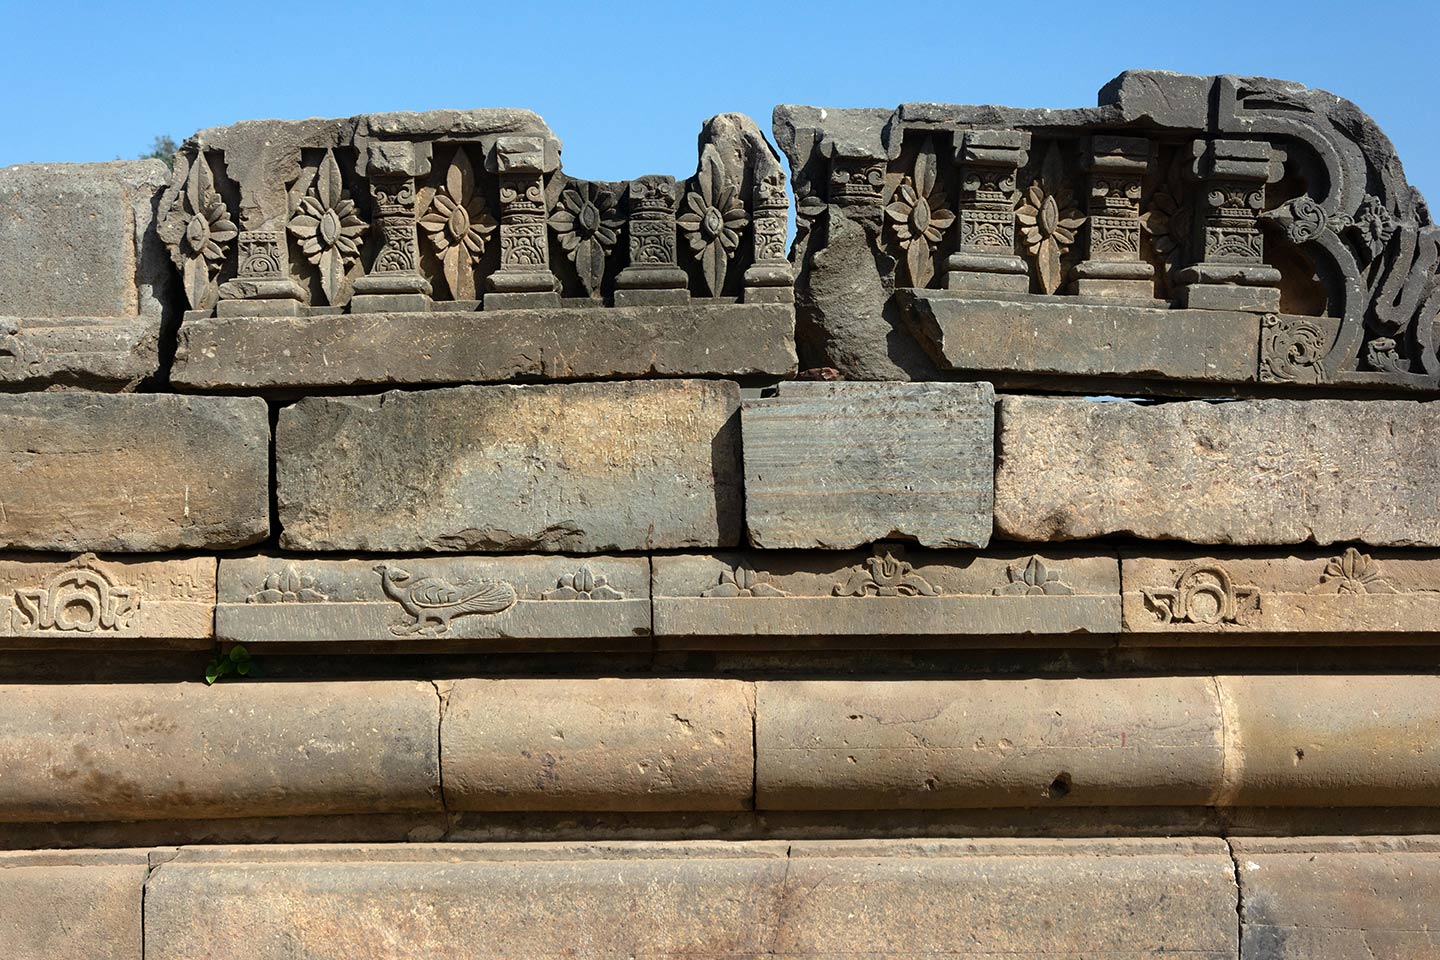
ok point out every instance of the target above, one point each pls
(575, 467)
(121, 602)
(598, 745)
(920, 744)
(1248, 472)
(187, 751)
(441, 602)
(840, 465)
(132, 472)
(932, 597)
(82, 276)
(80, 905)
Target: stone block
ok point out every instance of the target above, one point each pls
(575, 467)
(929, 597)
(1339, 596)
(922, 744)
(1341, 740)
(610, 744)
(115, 602)
(406, 603)
(1245, 472)
(86, 906)
(840, 465)
(692, 339)
(132, 472)
(157, 751)
(1341, 898)
(83, 278)
(1059, 898)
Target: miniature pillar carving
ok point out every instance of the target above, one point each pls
(856, 177)
(769, 278)
(394, 281)
(653, 276)
(985, 257)
(523, 278)
(1231, 274)
(263, 286)
(1112, 266)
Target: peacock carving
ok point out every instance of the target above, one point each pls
(433, 602)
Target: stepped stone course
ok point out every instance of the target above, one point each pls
(73, 905)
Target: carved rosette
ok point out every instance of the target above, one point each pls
(1048, 220)
(198, 231)
(712, 216)
(1352, 574)
(457, 225)
(587, 224)
(328, 229)
(916, 219)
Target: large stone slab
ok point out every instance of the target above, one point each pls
(1247, 472)
(573, 467)
(923, 744)
(118, 602)
(930, 598)
(132, 472)
(137, 751)
(83, 279)
(840, 465)
(690, 339)
(632, 745)
(87, 906)
(409, 603)
(1112, 899)
(1341, 898)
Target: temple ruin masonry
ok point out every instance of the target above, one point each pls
(965, 530)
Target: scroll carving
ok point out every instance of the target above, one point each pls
(1203, 594)
(83, 599)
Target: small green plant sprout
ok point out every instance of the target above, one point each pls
(237, 661)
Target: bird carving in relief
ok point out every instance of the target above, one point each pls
(433, 602)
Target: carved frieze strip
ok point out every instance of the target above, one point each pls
(597, 602)
(112, 602)
(101, 352)
(886, 592)
(1343, 592)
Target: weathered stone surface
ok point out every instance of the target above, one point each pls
(1339, 898)
(179, 751)
(1248, 472)
(885, 744)
(132, 472)
(1337, 596)
(906, 900)
(86, 906)
(575, 467)
(565, 343)
(121, 602)
(840, 465)
(445, 601)
(1331, 741)
(598, 745)
(83, 278)
(807, 598)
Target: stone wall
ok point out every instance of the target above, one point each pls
(408, 549)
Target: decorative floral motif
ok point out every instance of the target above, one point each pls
(743, 581)
(287, 586)
(1307, 220)
(457, 225)
(712, 220)
(1048, 220)
(1032, 578)
(587, 224)
(1352, 573)
(1373, 226)
(885, 577)
(1291, 350)
(1168, 220)
(917, 218)
(329, 229)
(199, 231)
(1204, 593)
(583, 584)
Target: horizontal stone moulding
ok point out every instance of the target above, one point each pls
(115, 602)
(133, 472)
(1251, 472)
(925, 596)
(597, 602)
(692, 339)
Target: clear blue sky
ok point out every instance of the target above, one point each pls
(626, 85)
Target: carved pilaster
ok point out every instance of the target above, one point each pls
(1112, 266)
(653, 275)
(857, 179)
(394, 280)
(1231, 274)
(985, 257)
(769, 278)
(523, 278)
(263, 286)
